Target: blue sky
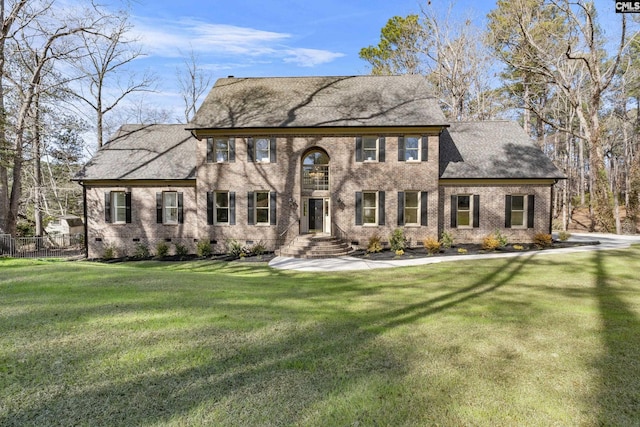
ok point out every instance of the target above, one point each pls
(256, 38)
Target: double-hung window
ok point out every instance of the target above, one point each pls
(411, 208)
(117, 207)
(261, 208)
(370, 149)
(465, 211)
(370, 208)
(519, 211)
(220, 150)
(413, 148)
(169, 207)
(222, 207)
(261, 149)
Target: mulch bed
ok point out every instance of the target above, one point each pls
(465, 249)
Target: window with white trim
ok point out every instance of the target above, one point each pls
(261, 207)
(370, 148)
(412, 208)
(118, 207)
(370, 207)
(170, 207)
(262, 150)
(221, 207)
(464, 210)
(518, 211)
(412, 148)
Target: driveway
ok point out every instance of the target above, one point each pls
(348, 263)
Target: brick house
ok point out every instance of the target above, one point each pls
(269, 159)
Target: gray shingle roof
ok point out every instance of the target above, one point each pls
(287, 102)
(144, 152)
(492, 149)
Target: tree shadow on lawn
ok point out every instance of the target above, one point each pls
(619, 395)
(270, 376)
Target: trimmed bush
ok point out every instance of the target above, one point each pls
(203, 248)
(374, 245)
(181, 250)
(542, 240)
(162, 249)
(431, 245)
(397, 241)
(490, 243)
(141, 251)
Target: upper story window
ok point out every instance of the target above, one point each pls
(315, 171)
(117, 209)
(370, 149)
(413, 148)
(261, 149)
(220, 150)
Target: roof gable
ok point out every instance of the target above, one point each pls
(298, 102)
(492, 149)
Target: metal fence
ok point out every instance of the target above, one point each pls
(50, 246)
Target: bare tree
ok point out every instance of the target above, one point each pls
(194, 82)
(108, 53)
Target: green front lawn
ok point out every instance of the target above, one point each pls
(549, 340)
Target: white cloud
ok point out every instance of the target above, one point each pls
(310, 57)
(174, 38)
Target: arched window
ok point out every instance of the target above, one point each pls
(315, 170)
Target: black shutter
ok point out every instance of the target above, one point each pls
(127, 207)
(273, 198)
(530, 210)
(159, 208)
(476, 211)
(209, 207)
(401, 148)
(209, 150)
(381, 149)
(507, 211)
(358, 207)
(272, 150)
(107, 206)
(424, 212)
(250, 152)
(400, 208)
(359, 153)
(425, 149)
(381, 218)
(250, 203)
(232, 208)
(454, 211)
(232, 150)
(180, 209)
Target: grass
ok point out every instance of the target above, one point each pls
(522, 341)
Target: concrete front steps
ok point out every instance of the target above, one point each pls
(315, 246)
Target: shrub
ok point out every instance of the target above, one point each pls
(502, 240)
(374, 245)
(446, 241)
(397, 241)
(542, 240)
(399, 252)
(258, 249)
(462, 251)
(431, 245)
(518, 247)
(490, 243)
(181, 250)
(563, 235)
(141, 251)
(109, 252)
(162, 249)
(203, 249)
(234, 248)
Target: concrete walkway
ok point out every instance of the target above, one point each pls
(348, 263)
